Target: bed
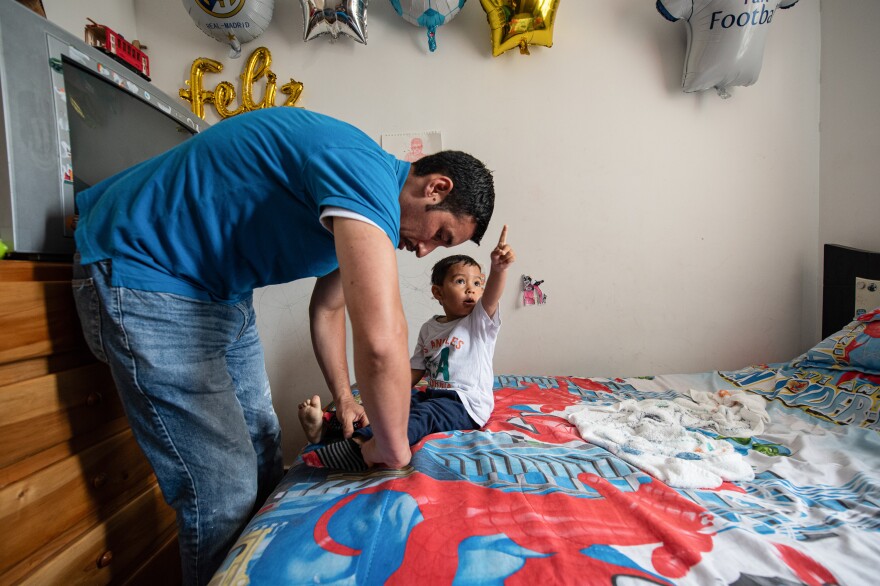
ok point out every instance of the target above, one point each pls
(527, 499)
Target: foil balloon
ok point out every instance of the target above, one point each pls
(334, 18)
(196, 95)
(429, 14)
(234, 22)
(725, 40)
(223, 96)
(257, 67)
(520, 23)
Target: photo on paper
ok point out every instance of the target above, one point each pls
(412, 146)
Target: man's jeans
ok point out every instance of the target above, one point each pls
(193, 383)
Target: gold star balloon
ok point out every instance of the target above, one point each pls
(520, 23)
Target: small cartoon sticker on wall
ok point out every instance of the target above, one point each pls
(532, 294)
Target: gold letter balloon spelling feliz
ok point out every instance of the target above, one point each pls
(520, 23)
(256, 68)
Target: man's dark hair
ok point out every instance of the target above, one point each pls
(473, 190)
(438, 273)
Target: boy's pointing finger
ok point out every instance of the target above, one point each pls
(503, 240)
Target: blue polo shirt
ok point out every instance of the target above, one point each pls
(238, 205)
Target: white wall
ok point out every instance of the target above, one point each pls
(850, 113)
(675, 232)
(72, 15)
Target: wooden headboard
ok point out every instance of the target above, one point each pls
(842, 265)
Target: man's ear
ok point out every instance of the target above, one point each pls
(438, 187)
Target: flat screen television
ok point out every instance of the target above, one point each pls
(70, 116)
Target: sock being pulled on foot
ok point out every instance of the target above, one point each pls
(344, 455)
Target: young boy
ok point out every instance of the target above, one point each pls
(455, 350)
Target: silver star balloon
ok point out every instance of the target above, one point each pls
(335, 17)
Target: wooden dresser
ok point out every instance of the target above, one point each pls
(79, 503)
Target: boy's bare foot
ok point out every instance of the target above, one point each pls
(311, 418)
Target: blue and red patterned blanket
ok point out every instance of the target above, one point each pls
(526, 500)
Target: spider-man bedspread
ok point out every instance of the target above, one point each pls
(527, 501)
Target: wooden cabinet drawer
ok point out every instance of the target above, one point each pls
(12, 271)
(39, 413)
(14, 372)
(79, 503)
(58, 503)
(112, 551)
(38, 319)
(40, 331)
(163, 567)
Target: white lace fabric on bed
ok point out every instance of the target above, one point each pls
(659, 436)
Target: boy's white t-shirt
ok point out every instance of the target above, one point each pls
(458, 355)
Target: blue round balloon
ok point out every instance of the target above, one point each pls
(429, 14)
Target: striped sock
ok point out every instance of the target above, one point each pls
(344, 455)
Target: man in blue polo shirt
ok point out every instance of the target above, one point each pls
(170, 251)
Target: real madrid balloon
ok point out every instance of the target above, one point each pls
(234, 22)
(429, 14)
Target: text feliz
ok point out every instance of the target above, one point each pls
(223, 95)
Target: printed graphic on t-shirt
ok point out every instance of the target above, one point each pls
(437, 366)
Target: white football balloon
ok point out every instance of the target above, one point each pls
(725, 40)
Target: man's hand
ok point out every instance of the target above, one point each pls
(349, 412)
(502, 256)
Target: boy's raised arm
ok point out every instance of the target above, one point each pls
(501, 259)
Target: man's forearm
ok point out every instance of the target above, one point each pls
(383, 375)
(327, 326)
(368, 269)
(328, 342)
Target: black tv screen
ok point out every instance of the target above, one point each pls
(111, 129)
